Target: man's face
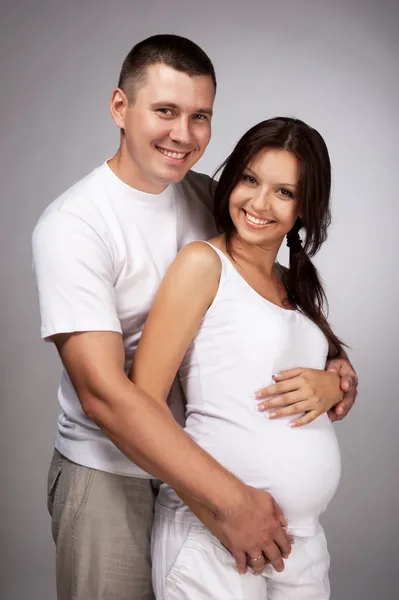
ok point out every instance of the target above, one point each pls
(168, 127)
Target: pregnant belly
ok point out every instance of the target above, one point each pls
(300, 467)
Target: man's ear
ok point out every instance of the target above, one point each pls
(118, 107)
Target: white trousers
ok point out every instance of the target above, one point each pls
(189, 563)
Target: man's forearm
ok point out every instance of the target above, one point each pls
(146, 432)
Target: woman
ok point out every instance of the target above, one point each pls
(226, 316)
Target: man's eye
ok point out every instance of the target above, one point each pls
(286, 193)
(249, 179)
(164, 111)
(200, 117)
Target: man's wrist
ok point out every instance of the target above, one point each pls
(231, 495)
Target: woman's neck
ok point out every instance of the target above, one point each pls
(261, 257)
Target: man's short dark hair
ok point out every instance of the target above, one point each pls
(172, 50)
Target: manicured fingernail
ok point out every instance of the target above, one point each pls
(277, 375)
(293, 424)
(271, 415)
(260, 408)
(257, 395)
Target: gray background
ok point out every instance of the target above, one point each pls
(333, 64)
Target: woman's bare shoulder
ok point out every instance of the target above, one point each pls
(201, 256)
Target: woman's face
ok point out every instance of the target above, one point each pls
(264, 204)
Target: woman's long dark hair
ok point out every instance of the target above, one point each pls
(304, 288)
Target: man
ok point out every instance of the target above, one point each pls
(100, 252)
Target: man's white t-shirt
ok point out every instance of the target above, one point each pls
(100, 251)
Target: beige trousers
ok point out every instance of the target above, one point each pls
(101, 525)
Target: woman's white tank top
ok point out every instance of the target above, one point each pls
(242, 340)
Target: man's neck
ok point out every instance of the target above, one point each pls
(126, 172)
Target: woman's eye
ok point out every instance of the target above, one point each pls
(286, 193)
(249, 179)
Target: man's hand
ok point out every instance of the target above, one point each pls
(309, 391)
(254, 529)
(349, 381)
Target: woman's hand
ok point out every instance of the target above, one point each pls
(309, 391)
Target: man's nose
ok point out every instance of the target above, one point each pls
(181, 131)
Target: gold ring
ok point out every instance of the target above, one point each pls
(261, 557)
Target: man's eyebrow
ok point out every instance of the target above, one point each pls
(205, 111)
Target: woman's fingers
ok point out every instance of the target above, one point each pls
(284, 400)
(305, 419)
(291, 409)
(280, 387)
(288, 374)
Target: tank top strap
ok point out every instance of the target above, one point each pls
(227, 266)
(222, 257)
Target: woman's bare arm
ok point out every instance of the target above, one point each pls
(183, 298)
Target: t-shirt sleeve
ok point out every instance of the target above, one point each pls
(74, 276)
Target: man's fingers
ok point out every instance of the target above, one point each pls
(342, 408)
(347, 383)
(273, 555)
(241, 561)
(332, 414)
(280, 516)
(335, 417)
(256, 561)
(283, 541)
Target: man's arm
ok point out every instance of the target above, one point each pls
(144, 430)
